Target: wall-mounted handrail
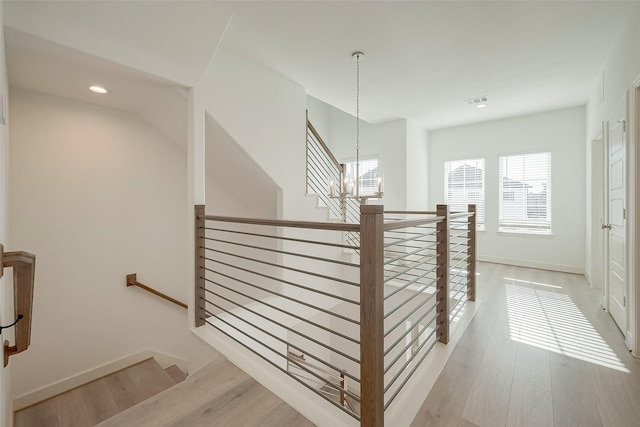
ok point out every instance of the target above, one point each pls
(132, 281)
(23, 264)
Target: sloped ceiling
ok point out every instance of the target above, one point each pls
(422, 59)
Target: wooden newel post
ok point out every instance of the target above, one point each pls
(471, 251)
(199, 266)
(442, 272)
(372, 315)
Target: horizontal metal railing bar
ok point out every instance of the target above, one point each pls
(407, 239)
(315, 258)
(456, 256)
(404, 382)
(413, 355)
(422, 227)
(272, 264)
(406, 316)
(411, 212)
(420, 249)
(317, 137)
(323, 380)
(410, 282)
(320, 156)
(311, 225)
(413, 264)
(407, 332)
(390, 253)
(409, 273)
(461, 260)
(354, 415)
(302, 360)
(411, 223)
(295, 316)
(460, 305)
(272, 335)
(456, 215)
(340, 316)
(408, 346)
(276, 279)
(290, 239)
(459, 235)
(457, 293)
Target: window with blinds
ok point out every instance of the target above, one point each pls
(525, 193)
(464, 185)
(368, 175)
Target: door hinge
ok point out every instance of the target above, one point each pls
(624, 213)
(624, 301)
(624, 125)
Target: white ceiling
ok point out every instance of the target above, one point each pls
(422, 59)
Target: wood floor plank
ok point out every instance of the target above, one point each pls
(487, 401)
(532, 366)
(529, 406)
(98, 401)
(206, 392)
(444, 405)
(124, 392)
(149, 378)
(42, 415)
(175, 373)
(71, 409)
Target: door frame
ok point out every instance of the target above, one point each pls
(631, 337)
(623, 102)
(596, 277)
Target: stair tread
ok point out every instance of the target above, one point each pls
(149, 378)
(98, 400)
(175, 373)
(218, 394)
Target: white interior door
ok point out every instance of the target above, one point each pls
(616, 209)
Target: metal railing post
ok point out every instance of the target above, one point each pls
(442, 272)
(199, 311)
(372, 315)
(471, 252)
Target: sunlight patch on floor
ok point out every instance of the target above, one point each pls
(551, 320)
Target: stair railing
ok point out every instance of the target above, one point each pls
(276, 287)
(23, 264)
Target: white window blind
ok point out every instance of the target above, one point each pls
(368, 175)
(525, 193)
(464, 185)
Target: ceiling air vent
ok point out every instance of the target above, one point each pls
(479, 102)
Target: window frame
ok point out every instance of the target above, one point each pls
(481, 203)
(525, 225)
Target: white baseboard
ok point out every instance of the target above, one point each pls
(533, 264)
(62, 386)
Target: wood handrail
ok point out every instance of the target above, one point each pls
(23, 264)
(324, 146)
(336, 226)
(132, 281)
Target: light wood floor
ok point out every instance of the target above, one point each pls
(98, 400)
(218, 395)
(539, 352)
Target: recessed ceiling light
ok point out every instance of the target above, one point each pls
(481, 105)
(98, 89)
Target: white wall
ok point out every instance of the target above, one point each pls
(96, 194)
(417, 170)
(387, 141)
(620, 71)
(560, 132)
(265, 115)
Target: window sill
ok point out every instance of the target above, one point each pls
(525, 234)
